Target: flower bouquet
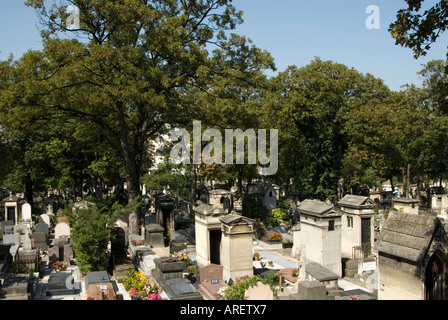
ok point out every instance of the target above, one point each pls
(275, 237)
(59, 266)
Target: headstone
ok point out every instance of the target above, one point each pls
(68, 252)
(96, 277)
(60, 283)
(21, 229)
(181, 289)
(311, 290)
(211, 281)
(26, 212)
(25, 242)
(259, 291)
(40, 240)
(16, 287)
(178, 244)
(45, 218)
(7, 226)
(154, 235)
(61, 229)
(42, 227)
(29, 258)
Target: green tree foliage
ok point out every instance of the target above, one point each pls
(91, 229)
(126, 69)
(418, 26)
(309, 106)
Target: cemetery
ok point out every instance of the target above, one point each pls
(318, 251)
(96, 202)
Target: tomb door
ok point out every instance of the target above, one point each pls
(365, 236)
(11, 214)
(215, 245)
(435, 279)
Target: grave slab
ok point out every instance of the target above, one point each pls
(181, 289)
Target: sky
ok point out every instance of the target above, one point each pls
(293, 31)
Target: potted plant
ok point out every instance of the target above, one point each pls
(295, 272)
(256, 256)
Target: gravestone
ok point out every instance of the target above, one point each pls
(45, 218)
(61, 229)
(98, 284)
(26, 212)
(40, 239)
(167, 268)
(259, 291)
(61, 250)
(211, 281)
(21, 229)
(178, 241)
(14, 241)
(147, 263)
(60, 283)
(154, 235)
(41, 227)
(310, 290)
(16, 287)
(181, 289)
(25, 242)
(30, 259)
(7, 226)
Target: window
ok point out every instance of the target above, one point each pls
(349, 222)
(331, 225)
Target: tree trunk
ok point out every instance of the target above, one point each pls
(29, 190)
(194, 176)
(132, 176)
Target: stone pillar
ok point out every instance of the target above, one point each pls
(236, 247)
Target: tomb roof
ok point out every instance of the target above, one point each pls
(318, 208)
(355, 201)
(407, 236)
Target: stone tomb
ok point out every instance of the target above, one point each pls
(181, 289)
(211, 282)
(167, 268)
(99, 286)
(16, 287)
(154, 235)
(60, 283)
(236, 247)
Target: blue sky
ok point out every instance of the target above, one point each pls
(293, 31)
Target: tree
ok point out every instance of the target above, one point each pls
(310, 106)
(91, 229)
(129, 70)
(418, 31)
